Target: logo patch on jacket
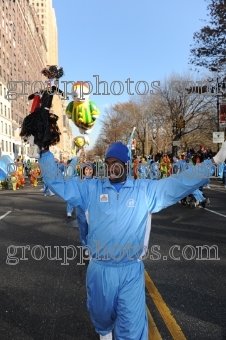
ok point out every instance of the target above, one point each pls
(131, 203)
(104, 198)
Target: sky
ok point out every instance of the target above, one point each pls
(117, 40)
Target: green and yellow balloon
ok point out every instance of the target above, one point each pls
(81, 110)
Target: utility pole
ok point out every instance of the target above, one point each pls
(218, 93)
(218, 119)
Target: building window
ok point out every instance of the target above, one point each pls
(4, 92)
(1, 110)
(10, 147)
(6, 146)
(0, 89)
(6, 129)
(9, 113)
(3, 22)
(5, 110)
(1, 127)
(16, 117)
(3, 145)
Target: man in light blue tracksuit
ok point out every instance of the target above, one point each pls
(118, 211)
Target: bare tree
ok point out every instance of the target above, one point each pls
(185, 113)
(171, 114)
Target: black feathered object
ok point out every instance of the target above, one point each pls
(41, 123)
(52, 72)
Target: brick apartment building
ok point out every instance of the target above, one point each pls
(23, 54)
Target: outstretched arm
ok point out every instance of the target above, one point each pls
(165, 192)
(70, 190)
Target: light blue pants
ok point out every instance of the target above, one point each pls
(46, 189)
(82, 224)
(207, 183)
(116, 299)
(199, 195)
(70, 208)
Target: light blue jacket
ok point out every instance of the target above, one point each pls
(120, 223)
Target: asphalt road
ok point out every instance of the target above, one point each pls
(42, 298)
(192, 288)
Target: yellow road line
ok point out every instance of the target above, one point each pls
(153, 333)
(165, 312)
